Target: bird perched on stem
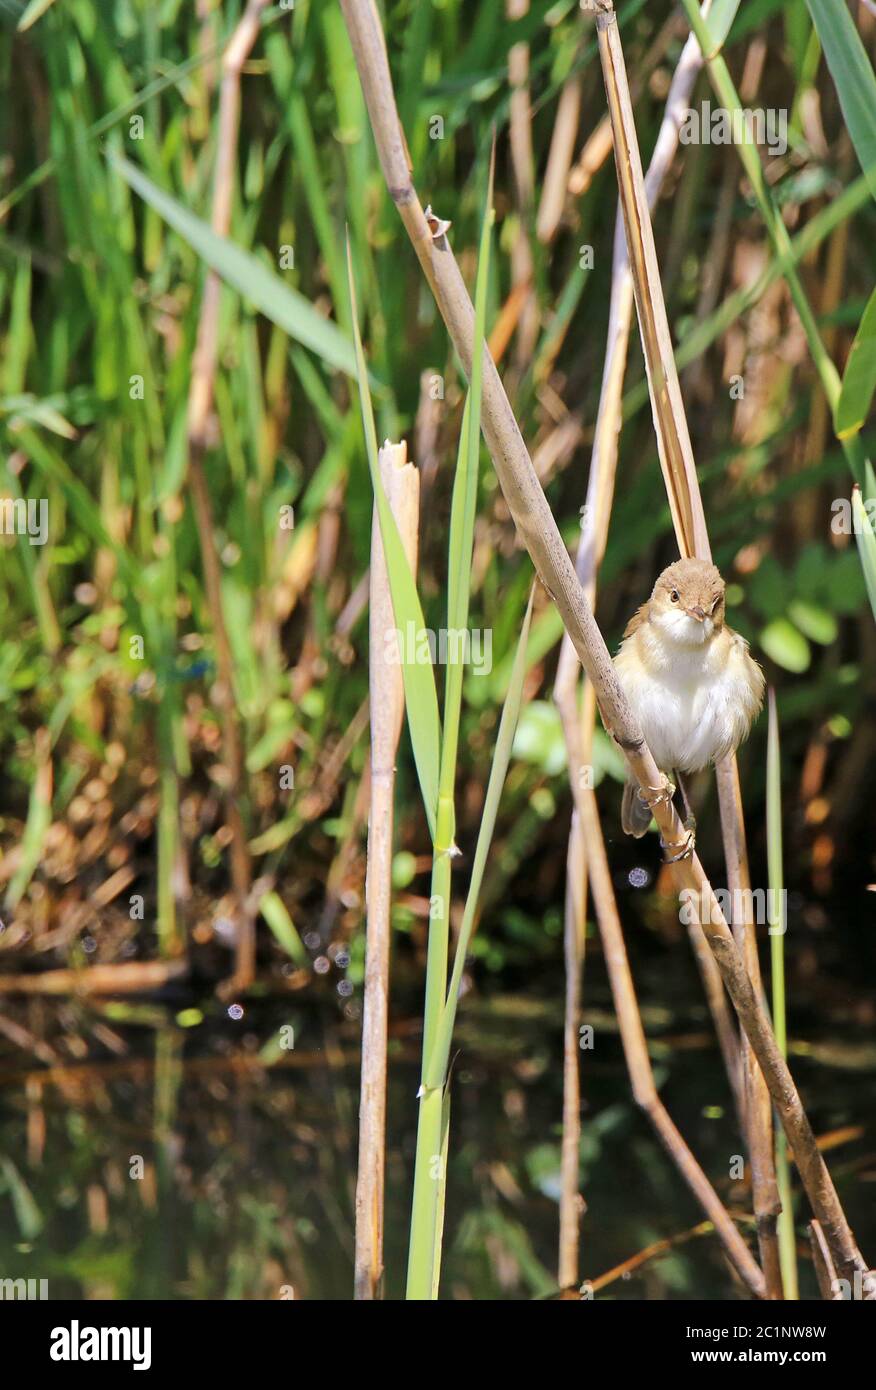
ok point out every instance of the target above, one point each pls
(691, 682)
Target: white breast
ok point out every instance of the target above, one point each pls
(695, 707)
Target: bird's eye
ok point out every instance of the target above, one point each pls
(715, 603)
(674, 596)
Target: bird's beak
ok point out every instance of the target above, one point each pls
(698, 613)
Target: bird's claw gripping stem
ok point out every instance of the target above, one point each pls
(688, 844)
(654, 796)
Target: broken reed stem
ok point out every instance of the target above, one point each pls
(686, 502)
(199, 408)
(401, 483)
(538, 530)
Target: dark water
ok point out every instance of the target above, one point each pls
(195, 1159)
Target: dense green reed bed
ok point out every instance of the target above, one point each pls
(114, 746)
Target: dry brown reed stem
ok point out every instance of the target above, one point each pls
(523, 165)
(200, 405)
(538, 530)
(520, 116)
(578, 727)
(758, 1116)
(575, 922)
(97, 979)
(559, 161)
(590, 843)
(670, 423)
(577, 735)
(598, 145)
(596, 151)
(29, 1042)
(401, 483)
(636, 1048)
(821, 1259)
(686, 502)
(715, 259)
(650, 1252)
(725, 1028)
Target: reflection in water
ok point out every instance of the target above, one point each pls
(196, 1155)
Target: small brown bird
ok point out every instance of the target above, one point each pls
(689, 678)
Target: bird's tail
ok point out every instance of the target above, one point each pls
(635, 815)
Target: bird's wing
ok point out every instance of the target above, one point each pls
(753, 669)
(639, 617)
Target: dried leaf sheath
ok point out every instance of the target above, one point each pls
(401, 483)
(673, 438)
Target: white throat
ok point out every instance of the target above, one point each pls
(681, 630)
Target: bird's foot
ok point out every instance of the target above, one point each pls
(684, 848)
(654, 796)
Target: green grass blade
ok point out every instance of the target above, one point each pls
(865, 535)
(168, 80)
(462, 520)
(701, 336)
(427, 1219)
(39, 818)
(276, 914)
(429, 1187)
(720, 21)
(852, 73)
(27, 1213)
(35, 10)
(787, 1244)
(429, 1171)
(859, 380)
(465, 483)
(437, 1062)
(421, 699)
(55, 467)
(443, 1151)
(279, 302)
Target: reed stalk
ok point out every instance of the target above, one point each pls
(590, 551)
(778, 927)
(401, 483)
(692, 537)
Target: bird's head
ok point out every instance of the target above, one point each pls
(687, 604)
